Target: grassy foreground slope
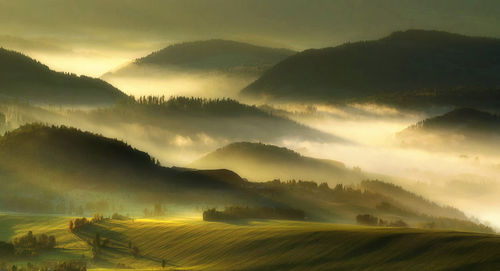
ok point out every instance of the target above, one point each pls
(305, 246)
(69, 246)
(267, 245)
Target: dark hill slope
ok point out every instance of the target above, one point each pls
(461, 129)
(218, 118)
(213, 55)
(404, 61)
(463, 120)
(67, 158)
(259, 161)
(26, 79)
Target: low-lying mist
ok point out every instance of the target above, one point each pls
(468, 181)
(139, 81)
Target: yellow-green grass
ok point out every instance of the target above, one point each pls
(69, 246)
(286, 245)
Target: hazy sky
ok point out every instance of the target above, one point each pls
(113, 31)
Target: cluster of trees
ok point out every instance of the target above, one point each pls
(387, 198)
(29, 244)
(71, 266)
(58, 266)
(78, 223)
(192, 105)
(370, 220)
(236, 212)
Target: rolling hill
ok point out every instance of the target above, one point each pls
(462, 129)
(56, 169)
(210, 56)
(258, 161)
(50, 164)
(25, 79)
(257, 245)
(413, 60)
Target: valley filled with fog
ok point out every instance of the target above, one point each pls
(249, 135)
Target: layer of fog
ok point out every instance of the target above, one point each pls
(468, 181)
(140, 81)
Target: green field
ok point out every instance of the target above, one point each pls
(191, 244)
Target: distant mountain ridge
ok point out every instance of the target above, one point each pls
(214, 55)
(26, 79)
(404, 61)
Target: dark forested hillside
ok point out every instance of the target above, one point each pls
(217, 118)
(463, 129)
(463, 120)
(67, 158)
(410, 200)
(26, 79)
(259, 161)
(213, 55)
(404, 61)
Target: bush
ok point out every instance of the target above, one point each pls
(70, 266)
(78, 224)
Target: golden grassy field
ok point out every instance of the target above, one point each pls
(192, 244)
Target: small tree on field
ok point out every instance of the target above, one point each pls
(135, 251)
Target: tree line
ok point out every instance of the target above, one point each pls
(238, 212)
